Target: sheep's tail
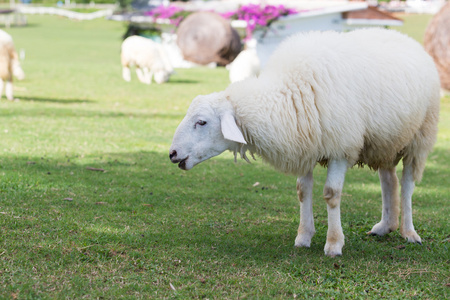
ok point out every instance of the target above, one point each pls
(417, 152)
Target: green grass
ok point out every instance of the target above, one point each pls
(414, 25)
(85, 10)
(143, 226)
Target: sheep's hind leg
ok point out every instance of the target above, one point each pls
(332, 194)
(306, 228)
(391, 203)
(407, 228)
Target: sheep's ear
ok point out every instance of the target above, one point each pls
(230, 130)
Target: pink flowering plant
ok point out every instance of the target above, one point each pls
(172, 13)
(258, 16)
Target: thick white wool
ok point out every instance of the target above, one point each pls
(147, 55)
(370, 96)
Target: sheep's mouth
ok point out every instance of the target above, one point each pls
(182, 164)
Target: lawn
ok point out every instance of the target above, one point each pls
(90, 205)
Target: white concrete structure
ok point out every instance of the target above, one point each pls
(313, 15)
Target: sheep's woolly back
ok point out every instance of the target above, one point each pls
(370, 96)
(5, 38)
(144, 53)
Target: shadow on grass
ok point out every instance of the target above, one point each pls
(58, 112)
(60, 101)
(187, 81)
(143, 217)
(213, 209)
(29, 25)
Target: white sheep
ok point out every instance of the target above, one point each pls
(367, 97)
(148, 57)
(245, 65)
(9, 64)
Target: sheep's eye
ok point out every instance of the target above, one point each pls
(200, 122)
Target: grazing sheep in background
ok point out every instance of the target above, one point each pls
(367, 97)
(148, 57)
(9, 64)
(245, 65)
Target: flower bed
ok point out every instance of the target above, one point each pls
(256, 16)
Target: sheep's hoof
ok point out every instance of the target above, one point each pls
(333, 249)
(303, 240)
(412, 237)
(381, 229)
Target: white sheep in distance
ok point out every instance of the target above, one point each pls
(245, 65)
(9, 64)
(148, 57)
(367, 97)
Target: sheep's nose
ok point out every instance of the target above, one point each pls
(173, 155)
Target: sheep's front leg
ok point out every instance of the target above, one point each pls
(1, 87)
(306, 228)
(140, 74)
(126, 73)
(407, 228)
(332, 194)
(391, 202)
(9, 90)
(148, 75)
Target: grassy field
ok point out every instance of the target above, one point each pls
(144, 229)
(414, 25)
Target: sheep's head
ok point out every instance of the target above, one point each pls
(161, 76)
(163, 69)
(208, 129)
(17, 70)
